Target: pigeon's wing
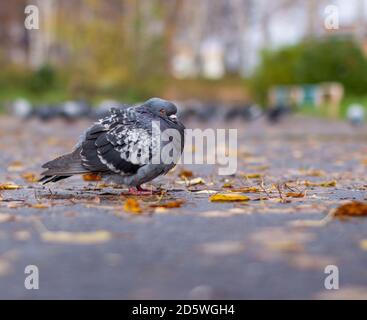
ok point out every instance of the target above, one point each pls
(120, 143)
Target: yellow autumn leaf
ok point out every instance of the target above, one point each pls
(246, 189)
(224, 197)
(131, 205)
(30, 177)
(94, 237)
(227, 185)
(324, 184)
(253, 175)
(9, 186)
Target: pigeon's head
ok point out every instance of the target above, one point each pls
(161, 108)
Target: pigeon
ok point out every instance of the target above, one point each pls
(128, 147)
(22, 108)
(276, 113)
(72, 110)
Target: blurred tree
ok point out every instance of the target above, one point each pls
(312, 61)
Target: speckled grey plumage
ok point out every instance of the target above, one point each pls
(122, 146)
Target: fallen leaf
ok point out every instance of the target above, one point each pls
(253, 175)
(94, 237)
(351, 209)
(40, 206)
(295, 194)
(325, 184)
(312, 172)
(184, 174)
(30, 177)
(9, 186)
(192, 182)
(16, 166)
(132, 205)
(227, 185)
(224, 197)
(92, 177)
(169, 204)
(204, 191)
(246, 190)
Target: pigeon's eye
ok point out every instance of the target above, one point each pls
(162, 112)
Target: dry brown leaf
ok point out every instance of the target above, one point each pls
(253, 175)
(185, 174)
(40, 206)
(295, 194)
(224, 197)
(312, 172)
(30, 177)
(94, 237)
(169, 204)
(325, 184)
(16, 166)
(92, 177)
(246, 190)
(9, 186)
(227, 185)
(351, 209)
(132, 205)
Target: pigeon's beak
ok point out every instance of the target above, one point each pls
(173, 117)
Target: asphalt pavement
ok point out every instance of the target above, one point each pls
(86, 243)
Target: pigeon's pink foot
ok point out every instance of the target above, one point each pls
(140, 192)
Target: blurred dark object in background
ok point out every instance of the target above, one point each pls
(277, 113)
(73, 110)
(356, 114)
(46, 112)
(247, 112)
(20, 108)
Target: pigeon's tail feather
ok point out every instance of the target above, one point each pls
(63, 167)
(47, 179)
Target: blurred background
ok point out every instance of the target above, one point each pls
(236, 56)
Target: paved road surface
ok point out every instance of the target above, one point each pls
(202, 249)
